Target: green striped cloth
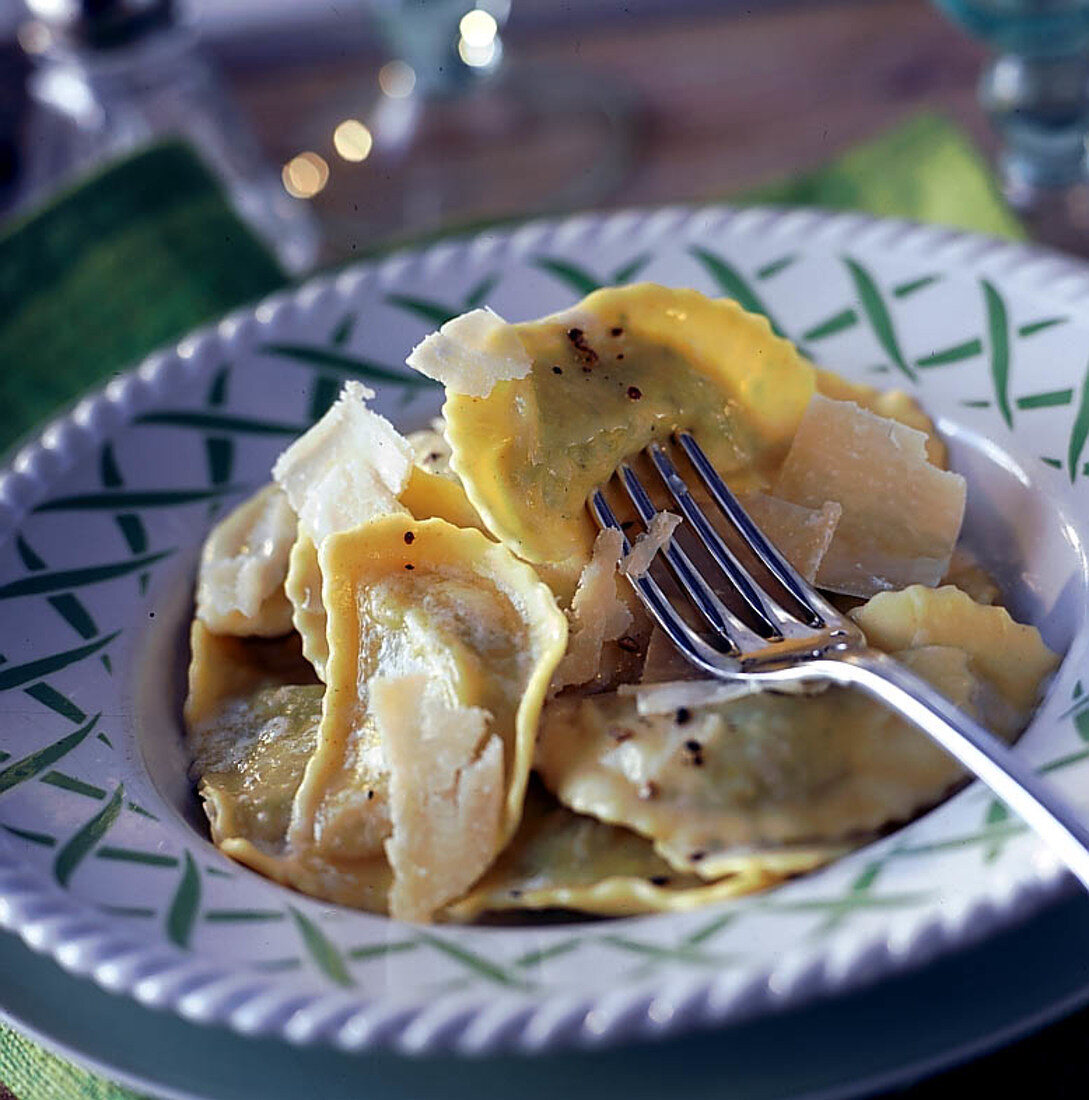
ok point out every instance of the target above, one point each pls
(149, 249)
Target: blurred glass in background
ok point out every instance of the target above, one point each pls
(111, 76)
(1036, 93)
(453, 129)
(410, 141)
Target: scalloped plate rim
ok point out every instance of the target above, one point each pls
(38, 909)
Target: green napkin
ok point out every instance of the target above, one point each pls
(925, 169)
(148, 249)
(123, 263)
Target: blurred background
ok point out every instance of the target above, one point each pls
(386, 118)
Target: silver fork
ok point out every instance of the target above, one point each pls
(812, 642)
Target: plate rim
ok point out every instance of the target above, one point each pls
(51, 922)
(1024, 1025)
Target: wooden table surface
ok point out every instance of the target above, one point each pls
(724, 101)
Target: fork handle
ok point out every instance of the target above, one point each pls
(1043, 809)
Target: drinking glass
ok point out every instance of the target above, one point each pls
(111, 76)
(457, 129)
(1035, 90)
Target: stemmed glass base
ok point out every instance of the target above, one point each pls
(1036, 93)
(525, 141)
(1040, 107)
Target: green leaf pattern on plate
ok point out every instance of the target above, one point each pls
(86, 820)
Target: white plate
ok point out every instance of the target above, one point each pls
(857, 1045)
(103, 861)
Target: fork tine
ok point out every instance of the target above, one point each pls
(712, 540)
(695, 648)
(721, 618)
(773, 561)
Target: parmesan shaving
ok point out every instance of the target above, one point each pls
(350, 467)
(240, 585)
(668, 697)
(901, 515)
(471, 353)
(597, 616)
(638, 560)
(664, 661)
(446, 794)
(895, 404)
(802, 535)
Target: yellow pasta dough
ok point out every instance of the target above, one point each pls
(1009, 655)
(624, 367)
(422, 598)
(252, 717)
(391, 637)
(709, 783)
(425, 495)
(562, 860)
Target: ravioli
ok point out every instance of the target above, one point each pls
(223, 667)
(251, 758)
(1011, 656)
(430, 495)
(562, 860)
(302, 586)
(392, 636)
(252, 717)
(624, 367)
(349, 468)
(707, 784)
(407, 597)
(425, 496)
(969, 576)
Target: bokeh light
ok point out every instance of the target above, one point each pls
(397, 79)
(352, 140)
(477, 57)
(478, 29)
(34, 37)
(305, 175)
